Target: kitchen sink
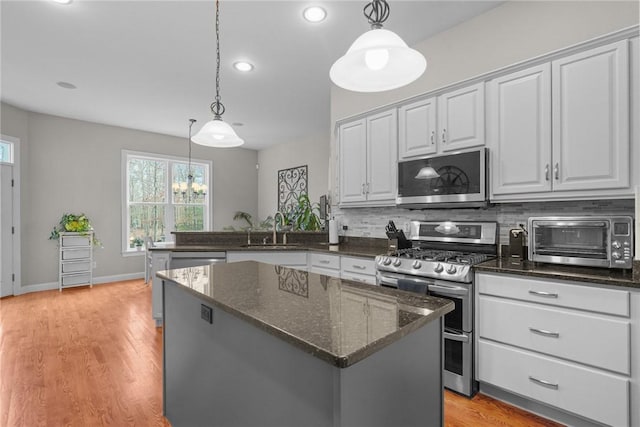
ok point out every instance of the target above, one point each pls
(271, 246)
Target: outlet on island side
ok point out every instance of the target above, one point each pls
(206, 313)
(94, 264)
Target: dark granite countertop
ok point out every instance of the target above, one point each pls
(349, 249)
(604, 276)
(313, 312)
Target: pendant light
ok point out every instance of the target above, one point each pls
(379, 59)
(217, 133)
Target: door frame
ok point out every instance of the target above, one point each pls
(17, 235)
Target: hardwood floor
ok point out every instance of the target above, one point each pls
(93, 357)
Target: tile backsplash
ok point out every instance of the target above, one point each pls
(370, 222)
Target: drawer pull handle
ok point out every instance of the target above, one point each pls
(545, 333)
(543, 294)
(359, 267)
(543, 382)
(324, 261)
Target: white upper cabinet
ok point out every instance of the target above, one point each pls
(417, 128)
(449, 122)
(519, 131)
(461, 118)
(591, 119)
(561, 129)
(353, 170)
(368, 150)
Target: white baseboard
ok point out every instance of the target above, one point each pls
(25, 289)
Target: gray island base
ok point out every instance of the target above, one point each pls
(291, 348)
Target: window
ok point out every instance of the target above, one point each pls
(6, 152)
(158, 198)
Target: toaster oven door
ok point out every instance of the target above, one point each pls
(570, 241)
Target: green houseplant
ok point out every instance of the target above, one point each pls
(73, 223)
(305, 215)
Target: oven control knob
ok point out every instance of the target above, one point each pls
(451, 269)
(417, 264)
(397, 262)
(438, 268)
(615, 244)
(386, 260)
(616, 255)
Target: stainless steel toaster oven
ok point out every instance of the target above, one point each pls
(595, 241)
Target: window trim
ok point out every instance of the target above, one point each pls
(125, 154)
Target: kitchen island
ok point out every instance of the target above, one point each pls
(252, 344)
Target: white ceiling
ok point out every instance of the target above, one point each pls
(150, 65)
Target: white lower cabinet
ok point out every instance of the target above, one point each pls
(358, 269)
(590, 393)
(552, 342)
(327, 264)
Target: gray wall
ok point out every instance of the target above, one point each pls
(312, 151)
(75, 166)
(507, 34)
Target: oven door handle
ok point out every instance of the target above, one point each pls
(449, 290)
(456, 336)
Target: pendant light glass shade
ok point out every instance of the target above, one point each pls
(378, 60)
(219, 134)
(427, 172)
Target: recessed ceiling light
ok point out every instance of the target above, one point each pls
(62, 1)
(243, 66)
(314, 14)
(66, 85)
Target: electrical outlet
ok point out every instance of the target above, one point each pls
(94, 264)
(206, 313)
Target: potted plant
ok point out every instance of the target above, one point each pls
(138, 242)
(305, 215)
(74, 224)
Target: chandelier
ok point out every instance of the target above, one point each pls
(189, 191)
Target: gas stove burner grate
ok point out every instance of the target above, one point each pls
(426, 254)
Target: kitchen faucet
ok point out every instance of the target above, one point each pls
(275, 223)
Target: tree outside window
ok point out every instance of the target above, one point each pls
(161, 198)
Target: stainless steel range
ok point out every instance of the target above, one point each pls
(439, 263)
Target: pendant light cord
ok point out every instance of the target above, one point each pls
(189, 174)
(376, 13)
(216, 107)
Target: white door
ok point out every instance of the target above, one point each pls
(461, 118)
(519, 131)
(382, 156)
(6, 234)
(417, 129)
(353, 155)
(591, 119)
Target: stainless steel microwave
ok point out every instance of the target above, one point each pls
(444, 181)
(595, 241)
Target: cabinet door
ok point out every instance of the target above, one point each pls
(591, 119)
(417, 129)
(519, 131)
(382, 156)
(461, 118)
(353, 155)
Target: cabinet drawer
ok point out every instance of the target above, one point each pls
(325, 271)
(581, 337)
(358, 265)
(68, 254)
(553, 292)
(71, 241)
(587, 392)
(72, 267)
(358, 277)
(324, 261)
(76, 279)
